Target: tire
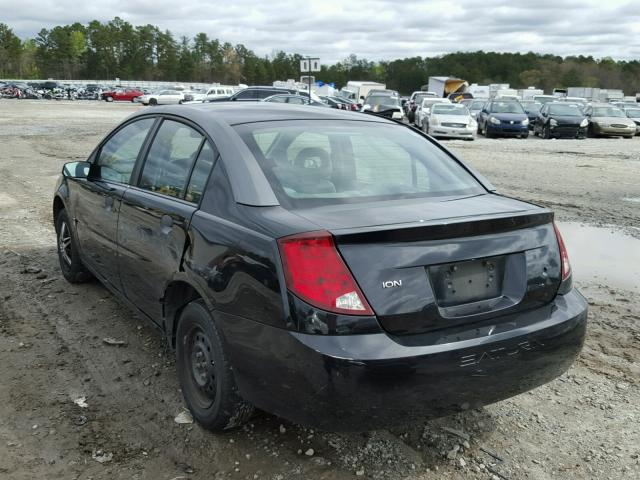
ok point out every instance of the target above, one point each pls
(425, 128)
(487, 133)
(590, 132)
(133, 100)
(629, 136)
(205, 373)
(153, 102)
(73, 270)
(546, 132)
(108, 99)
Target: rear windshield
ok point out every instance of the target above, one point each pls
(311, 163)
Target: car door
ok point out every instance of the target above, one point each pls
(155, 213)
(96, 200)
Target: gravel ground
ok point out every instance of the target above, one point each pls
(73, 406)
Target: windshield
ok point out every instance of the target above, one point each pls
(450, 109)
(608, 112)
(386, 100)
(633, 113)
(310, 163)
(565, 110)
(506, 107)
(477, 105)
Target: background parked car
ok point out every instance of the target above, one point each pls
(122, 95)
(414, 101)
(532, 109)
(424, 108)
(544, 98)
(383, 103)
(474, 105)
(294, 100)
(219, 92)
(166, 97)
(560, 120)
(253, 94)
(450, 120)
(634, 114)
(503, 118)
(607, 120)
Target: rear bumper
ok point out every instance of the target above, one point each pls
(362, 382)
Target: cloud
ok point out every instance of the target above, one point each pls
(372, 29)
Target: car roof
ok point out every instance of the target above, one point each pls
(235, 113)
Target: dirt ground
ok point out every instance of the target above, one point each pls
(75, 407)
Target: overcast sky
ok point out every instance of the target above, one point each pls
(373, 29)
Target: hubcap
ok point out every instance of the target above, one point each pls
(64, 243)
(202, 364)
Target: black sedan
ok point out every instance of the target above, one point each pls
(560, 120)
(341, 271)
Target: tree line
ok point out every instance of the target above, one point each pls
(118, 49)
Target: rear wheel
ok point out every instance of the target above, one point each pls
(109, 99)
(72, 267)
(153, 102)
(205, 373)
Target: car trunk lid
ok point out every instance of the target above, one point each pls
(446, 263)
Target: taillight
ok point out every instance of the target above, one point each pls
(315, 272)
(564, 256)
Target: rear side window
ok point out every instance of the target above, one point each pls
(170, 158)
(119, 154)
(200, 173)
(312, 163)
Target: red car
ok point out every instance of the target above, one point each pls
(122, 95)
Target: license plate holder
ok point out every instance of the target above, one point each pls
(469, 281)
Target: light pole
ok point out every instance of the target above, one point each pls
(309, 64)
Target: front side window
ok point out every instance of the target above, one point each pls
(170, 158)
(311, 163)
(246, 95)
(119, 154)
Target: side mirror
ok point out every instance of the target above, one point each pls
(76, 169)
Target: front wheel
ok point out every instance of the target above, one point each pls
(109, 99)
(205, 373)
(73, 270)
(487, 133)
